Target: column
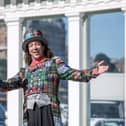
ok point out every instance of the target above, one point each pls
(74, 62)
(78, 93)
(14, 97)
(85, 87)
(14, 44)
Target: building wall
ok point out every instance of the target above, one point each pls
(76, 11)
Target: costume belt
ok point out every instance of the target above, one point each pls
(40, 99)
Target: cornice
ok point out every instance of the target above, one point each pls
(62, 8)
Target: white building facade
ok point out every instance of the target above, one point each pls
(14, 12)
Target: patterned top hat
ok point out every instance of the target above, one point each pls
(30, 36)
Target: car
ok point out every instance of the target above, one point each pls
(107, 122)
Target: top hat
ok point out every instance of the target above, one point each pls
(30, 36)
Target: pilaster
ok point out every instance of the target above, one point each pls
(14, 56)
(14, 45)
(85, 87)
(78, 53)
(74, 62)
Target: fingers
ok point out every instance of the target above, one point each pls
(103, 69)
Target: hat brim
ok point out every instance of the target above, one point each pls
(26, 42)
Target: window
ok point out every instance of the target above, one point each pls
(107, 40)
(107, 110)
(55, 32)
(106, 37)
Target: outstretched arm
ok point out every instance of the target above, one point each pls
(16, 81)
(67, 73)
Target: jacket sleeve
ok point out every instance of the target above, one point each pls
(67, 73)
(15, 82)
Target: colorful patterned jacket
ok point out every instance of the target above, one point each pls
(44, 78)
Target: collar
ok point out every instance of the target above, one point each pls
(37, 62)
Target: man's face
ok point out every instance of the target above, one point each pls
(36, 49)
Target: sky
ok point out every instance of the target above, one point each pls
(107, 34)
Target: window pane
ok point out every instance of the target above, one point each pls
(107, 110)
(106, 36)
(107, 39)
(107, 43)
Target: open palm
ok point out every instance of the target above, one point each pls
(100, 68)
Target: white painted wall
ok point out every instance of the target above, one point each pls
(14, 108)
(13, 46)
